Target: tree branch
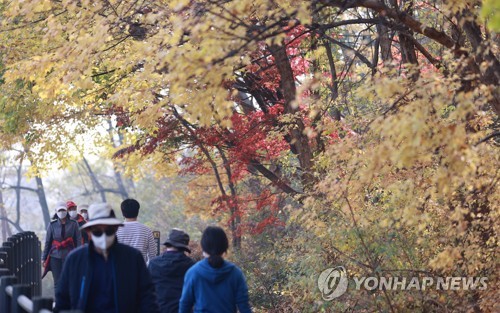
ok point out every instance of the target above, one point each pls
(276, 180)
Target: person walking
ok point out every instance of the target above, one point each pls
(168, 269)
(84, 211)
(74, 215)
(62, 236)
(135, 234)
(214, 285)
(105, 276)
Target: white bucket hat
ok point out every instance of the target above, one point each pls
(101, 214)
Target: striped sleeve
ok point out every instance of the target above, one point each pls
(152, 248)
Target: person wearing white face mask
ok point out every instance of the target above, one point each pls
(73, 214)
(105, 275)
(63, 235)
(84, 211)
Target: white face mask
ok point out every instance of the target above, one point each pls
(104, 241)
(62, 214)
(85, 216)
(73, 214)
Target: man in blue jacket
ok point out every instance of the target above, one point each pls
(105, 276)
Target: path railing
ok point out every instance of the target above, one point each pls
(20, 275)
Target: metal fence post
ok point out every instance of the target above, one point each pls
(30, 264)
(15, 261)
(4, 298)
(4, 272)
(17, 290)
(7, 248)
(42, 303)
(23, 255)
(38, 267)
(3, 258)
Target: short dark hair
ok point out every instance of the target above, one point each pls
(130, 208)
(214, 242)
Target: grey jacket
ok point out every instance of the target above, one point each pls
(54, 233)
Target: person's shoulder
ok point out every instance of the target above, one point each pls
(229, 264)
(189, 261)
(188, 258)
(192, 272)
(143, 226)
(155, 259)
(133, 225)
(127, 250)
(73, 221)
(138, 226)
(77, 253)
(158, 261)
(236, 270)
(197, 266)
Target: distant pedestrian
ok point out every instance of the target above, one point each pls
(135, 234)
(84, 211)
(105, 276)
(63, 235)
(74, 215)
(214, 285)
(168, 269)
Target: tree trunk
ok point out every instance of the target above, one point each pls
(6, 232)
(97, 186)
(118, 176)
(43, 201)
(299, 141)
(385, 42)
(234, 205)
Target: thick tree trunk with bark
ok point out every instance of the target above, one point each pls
(298, 140)
(385, 42)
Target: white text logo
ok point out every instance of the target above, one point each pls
(332, 282)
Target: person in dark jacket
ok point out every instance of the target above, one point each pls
(62, 236)
(214, 285)
(168, 269)
(105, 276)
(75, 216)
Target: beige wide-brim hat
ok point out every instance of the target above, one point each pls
(101, 214)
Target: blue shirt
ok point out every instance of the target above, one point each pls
(101, 292)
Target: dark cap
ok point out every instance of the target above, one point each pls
(178, 239)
